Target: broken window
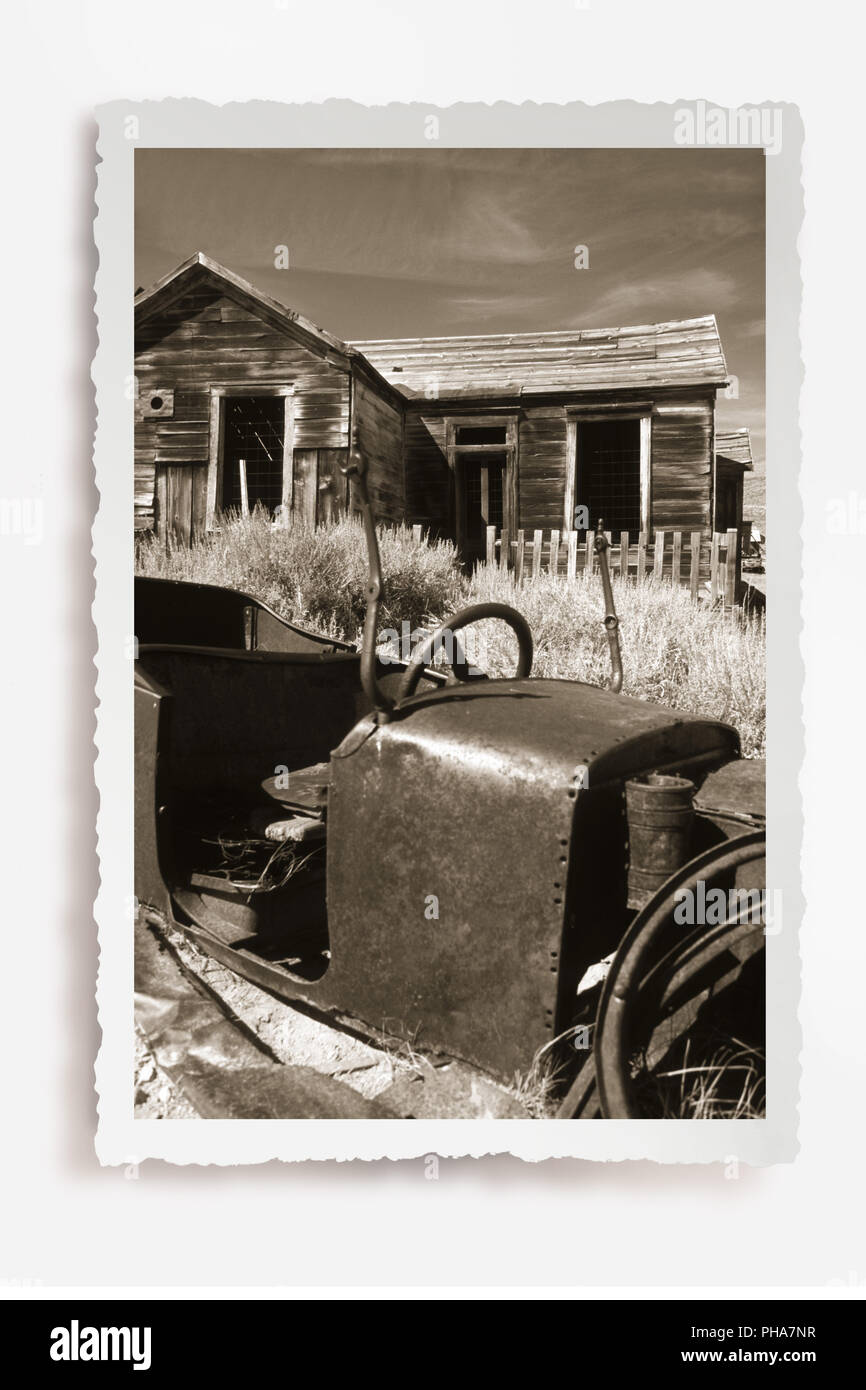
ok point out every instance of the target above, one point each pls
(253, 434)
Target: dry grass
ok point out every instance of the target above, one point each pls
(723, 1082)
(539, 1089)
(675, 652)
(317, 578)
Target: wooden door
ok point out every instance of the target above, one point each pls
(181, 500)
(480, 483)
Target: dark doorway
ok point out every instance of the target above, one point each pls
(608, 473)
(480, 494)
(253, 431)
(727, 510)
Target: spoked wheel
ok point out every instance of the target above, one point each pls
(668, 978)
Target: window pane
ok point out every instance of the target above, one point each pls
(480, 434)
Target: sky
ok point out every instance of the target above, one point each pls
(430, 242)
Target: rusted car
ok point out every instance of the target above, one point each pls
(443, 859)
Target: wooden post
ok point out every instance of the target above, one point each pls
(553, 561)
(714, 567)
(416, 532)
(659, 555)
(695, 571)
(731, 567)
(491, 545)
(588, 552)
(519, 557)
(504, 546)
(242, 474)
(537, 547)
(572, 554)
(677, 558)
(623, 554)
(641, 557)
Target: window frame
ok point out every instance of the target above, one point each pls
(455, 453)
(580, 415)
(215, 460)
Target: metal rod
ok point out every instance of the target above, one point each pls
(611, 621)
(356, 469)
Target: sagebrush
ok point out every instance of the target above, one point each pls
(677, 652)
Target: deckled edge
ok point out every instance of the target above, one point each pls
(121, 1139)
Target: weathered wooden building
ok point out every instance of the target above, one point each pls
(522, 430)
(224, 373)
(733, 461)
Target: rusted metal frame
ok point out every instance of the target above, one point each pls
(611, 621)
(382, 704)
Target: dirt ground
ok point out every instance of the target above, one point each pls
(394, 1071)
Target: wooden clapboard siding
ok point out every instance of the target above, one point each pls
(542, 467)
(205, 340)
(202, 332)
(180, 500)
(305, 489)
(682, 465)
(429, 488)
(378, 427)
(332, 486)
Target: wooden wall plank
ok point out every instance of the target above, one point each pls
(306, 469)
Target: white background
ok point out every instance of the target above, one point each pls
(66, 1221)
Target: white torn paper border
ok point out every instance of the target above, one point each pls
(124, 127)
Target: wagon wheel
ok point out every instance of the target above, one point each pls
(660, 982)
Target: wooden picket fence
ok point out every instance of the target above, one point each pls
(673, 557)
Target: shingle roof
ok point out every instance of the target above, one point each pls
(683, 352)
(736, 447)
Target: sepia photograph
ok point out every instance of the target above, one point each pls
(450, 620)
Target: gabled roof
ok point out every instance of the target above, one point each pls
(200, 270)
(682, 352)
(735, 446)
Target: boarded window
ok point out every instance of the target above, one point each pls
(253, 431)
(608, 473)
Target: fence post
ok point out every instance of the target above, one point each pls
(714, 567)
(553, 562)
(242, 475)
(641, 557)
(572, 554)
(504, 547)
(695, 570)
(731, 567)
(623, 554)
(677, 558)
(659, 555)
(519, 557)
(416, 532)
(588, 552)
(537, 547)
(491, 545)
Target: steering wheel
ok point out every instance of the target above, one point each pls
(475, 613)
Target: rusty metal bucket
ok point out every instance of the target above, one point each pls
(660, 816)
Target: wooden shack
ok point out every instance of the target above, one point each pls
(223, 375)
(523, 430)
(733, 461)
